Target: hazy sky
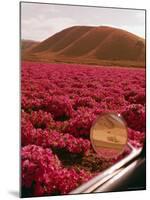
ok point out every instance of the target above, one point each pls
(40, 21)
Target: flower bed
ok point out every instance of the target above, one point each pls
(59, 103)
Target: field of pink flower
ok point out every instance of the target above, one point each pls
(59, 102)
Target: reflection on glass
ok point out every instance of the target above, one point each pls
(109, 135)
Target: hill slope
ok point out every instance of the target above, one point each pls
(85, 44)
(27, 44)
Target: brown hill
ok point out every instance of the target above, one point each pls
(61, 40)
(87, 42)
(27, 44)
(120, 45)
(96, 45)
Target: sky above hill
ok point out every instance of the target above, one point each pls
(40, 21)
